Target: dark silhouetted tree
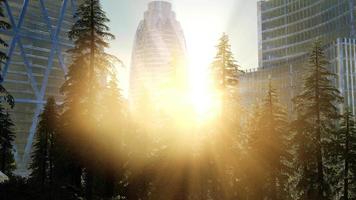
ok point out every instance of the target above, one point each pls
(42, 165)
(344, 154)
(113, 126)
(7, 137)
(304, 162)
(317, 105)
(4, 25)
(82, 89)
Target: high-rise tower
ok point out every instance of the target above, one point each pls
(37, 62)
(159, 52)
(287, 30)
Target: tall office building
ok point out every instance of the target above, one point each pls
(287, 28)
(342, 58)
(286, 32)
(37, 62)
(159, 53)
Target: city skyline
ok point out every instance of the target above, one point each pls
(217, 100)
(237, 18)
(287, 32)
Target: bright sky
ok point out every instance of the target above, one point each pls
(203, 22)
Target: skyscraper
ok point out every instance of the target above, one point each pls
(37, 63)
(159, 52)
(286, 32)
(287, 28)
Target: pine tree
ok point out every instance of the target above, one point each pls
(345, 150)
(224, 68)
(42, 166)
(317, 105)
(4, 25)
(304, 161)
(270, 147)
(113, 126)
(277, 136)
(89, 68)
(114, 106)
(225, 75)
(7, 137)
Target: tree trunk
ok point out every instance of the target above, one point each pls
(346, 169)
(318, 131)
(44, 161)
(89, 174)
(50, 172)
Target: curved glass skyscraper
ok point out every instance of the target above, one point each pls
(37, 62)
(159, 52)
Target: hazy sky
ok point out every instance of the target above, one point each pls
(203, 22)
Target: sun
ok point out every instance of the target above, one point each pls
(201, 41)
(201, 95)
(200, 56)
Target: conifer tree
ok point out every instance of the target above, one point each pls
(346, 156)
(113, 126)
(270, 147)
(251, 188)
(277, 136)
(114, 106)
(224, 68)
(7, 137)
(4, 25)
(90, 65)
(304, 161)
(225, 75)
(317, 105)
(42, 165)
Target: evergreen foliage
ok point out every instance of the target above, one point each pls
(269, 148)
(7, 134)
(317, 106)
(225, 71)
(225, 76)
(92, 148)
(83, 91)
(7, 137)
(42, 166)
(4, 25)
(344, 154)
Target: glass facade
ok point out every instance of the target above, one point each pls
(289, 80)
(286, 80)
(159, 53)
(287, 30)
(342, 54)
(288, 27)
(37, 63)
